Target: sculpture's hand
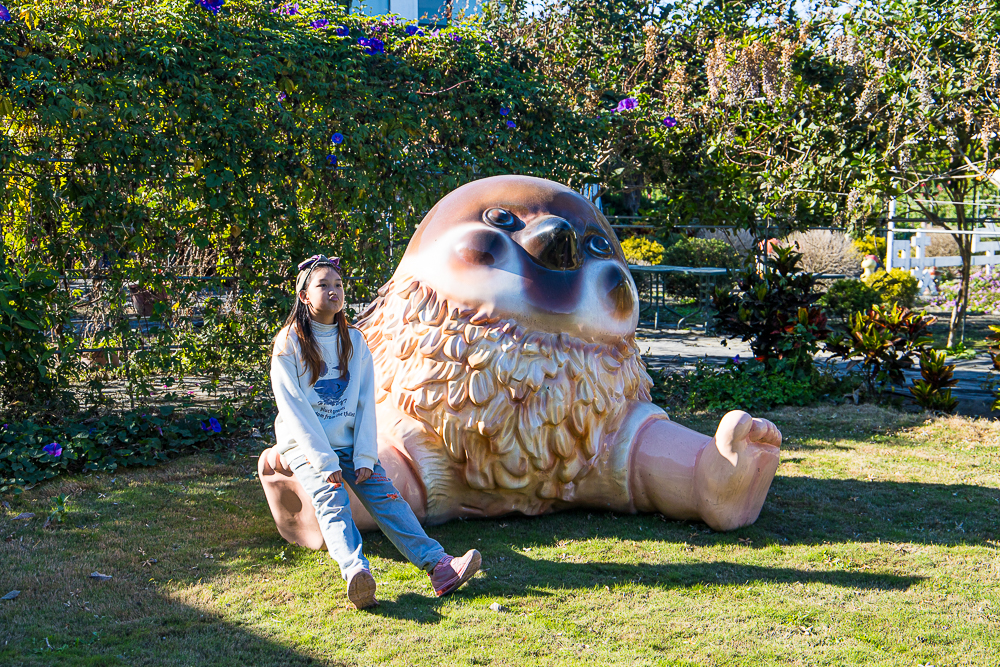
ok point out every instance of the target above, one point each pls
(362, 474)
(337, 479)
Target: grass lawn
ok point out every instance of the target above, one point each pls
(877, 546)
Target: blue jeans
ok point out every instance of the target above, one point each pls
(392, 514)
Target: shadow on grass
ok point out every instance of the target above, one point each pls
(178, 513)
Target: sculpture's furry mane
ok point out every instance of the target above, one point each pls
(513, 410)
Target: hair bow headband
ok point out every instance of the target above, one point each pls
(311, 264)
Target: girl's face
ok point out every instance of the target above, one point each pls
(324, 295)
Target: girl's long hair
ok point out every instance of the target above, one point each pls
(311, 356)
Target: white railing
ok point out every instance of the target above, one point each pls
(911, 254)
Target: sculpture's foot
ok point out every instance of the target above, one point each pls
(291, 506)
(734, 471)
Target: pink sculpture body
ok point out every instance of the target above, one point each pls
(509, 379)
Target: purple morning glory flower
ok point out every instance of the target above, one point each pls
(456, 38)
(4, 14)
(203, 427)
(342, 31)
(627, 104)
(337, 138)
(504, 111)
(319, 24)
(289, 9)
(736, 359)
(411, 30)
(420, 33)
(372, 45)
(212, 5)
(670, 121)
(511, 124)
(331, 160)
(216, 426)
(53, 449)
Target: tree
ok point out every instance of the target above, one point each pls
(929, 80)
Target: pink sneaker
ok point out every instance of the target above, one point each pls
(450, 573)
(361, 590)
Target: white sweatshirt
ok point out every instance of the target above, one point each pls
(338, 412)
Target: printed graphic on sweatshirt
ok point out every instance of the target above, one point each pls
(331, 394)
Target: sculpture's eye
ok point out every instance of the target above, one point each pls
(498, 217)
(599, 246)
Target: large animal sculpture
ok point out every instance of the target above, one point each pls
(509, 380)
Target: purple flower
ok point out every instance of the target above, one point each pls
(372, 45)
(212, 5)
(511, 124)
(289, 9)
(203, 427)
(412, 30)
(160, 430)
(342, 31)
(53, 449)
(319, 24)
(216, 426)
(4, 14)
(337, 138)
(736, 359)
(670, 121)
(331, 160)
(627, 104)
(504, 111)
(456, 38)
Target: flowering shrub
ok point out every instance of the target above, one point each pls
(984, 292)
(160, 140)
(896, 286)
(31, 453)
(641, 250)
(190, 153)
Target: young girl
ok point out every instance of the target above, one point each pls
(324, 385)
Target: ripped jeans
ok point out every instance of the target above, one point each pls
(379, 496)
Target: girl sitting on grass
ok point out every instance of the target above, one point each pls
(324, 385)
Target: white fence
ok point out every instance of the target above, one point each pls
(911, 253)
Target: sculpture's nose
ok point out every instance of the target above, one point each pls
(553, 243)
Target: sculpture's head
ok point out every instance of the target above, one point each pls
(527, 249)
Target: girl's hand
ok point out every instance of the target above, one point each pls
(337, 479)
(362, 474)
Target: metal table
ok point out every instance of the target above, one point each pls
(652, 293)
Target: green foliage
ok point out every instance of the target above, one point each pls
(896, 286)
(641, 250)
(994, 348)
(110, 442)
(883, 341)
(933, 390)
(773, 308)
(696, 252)
(31, 375)
(162, 156)
(848, 296)
(59, 509)
(872, 245)
(740, 385)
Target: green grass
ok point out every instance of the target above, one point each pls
(877, 546)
